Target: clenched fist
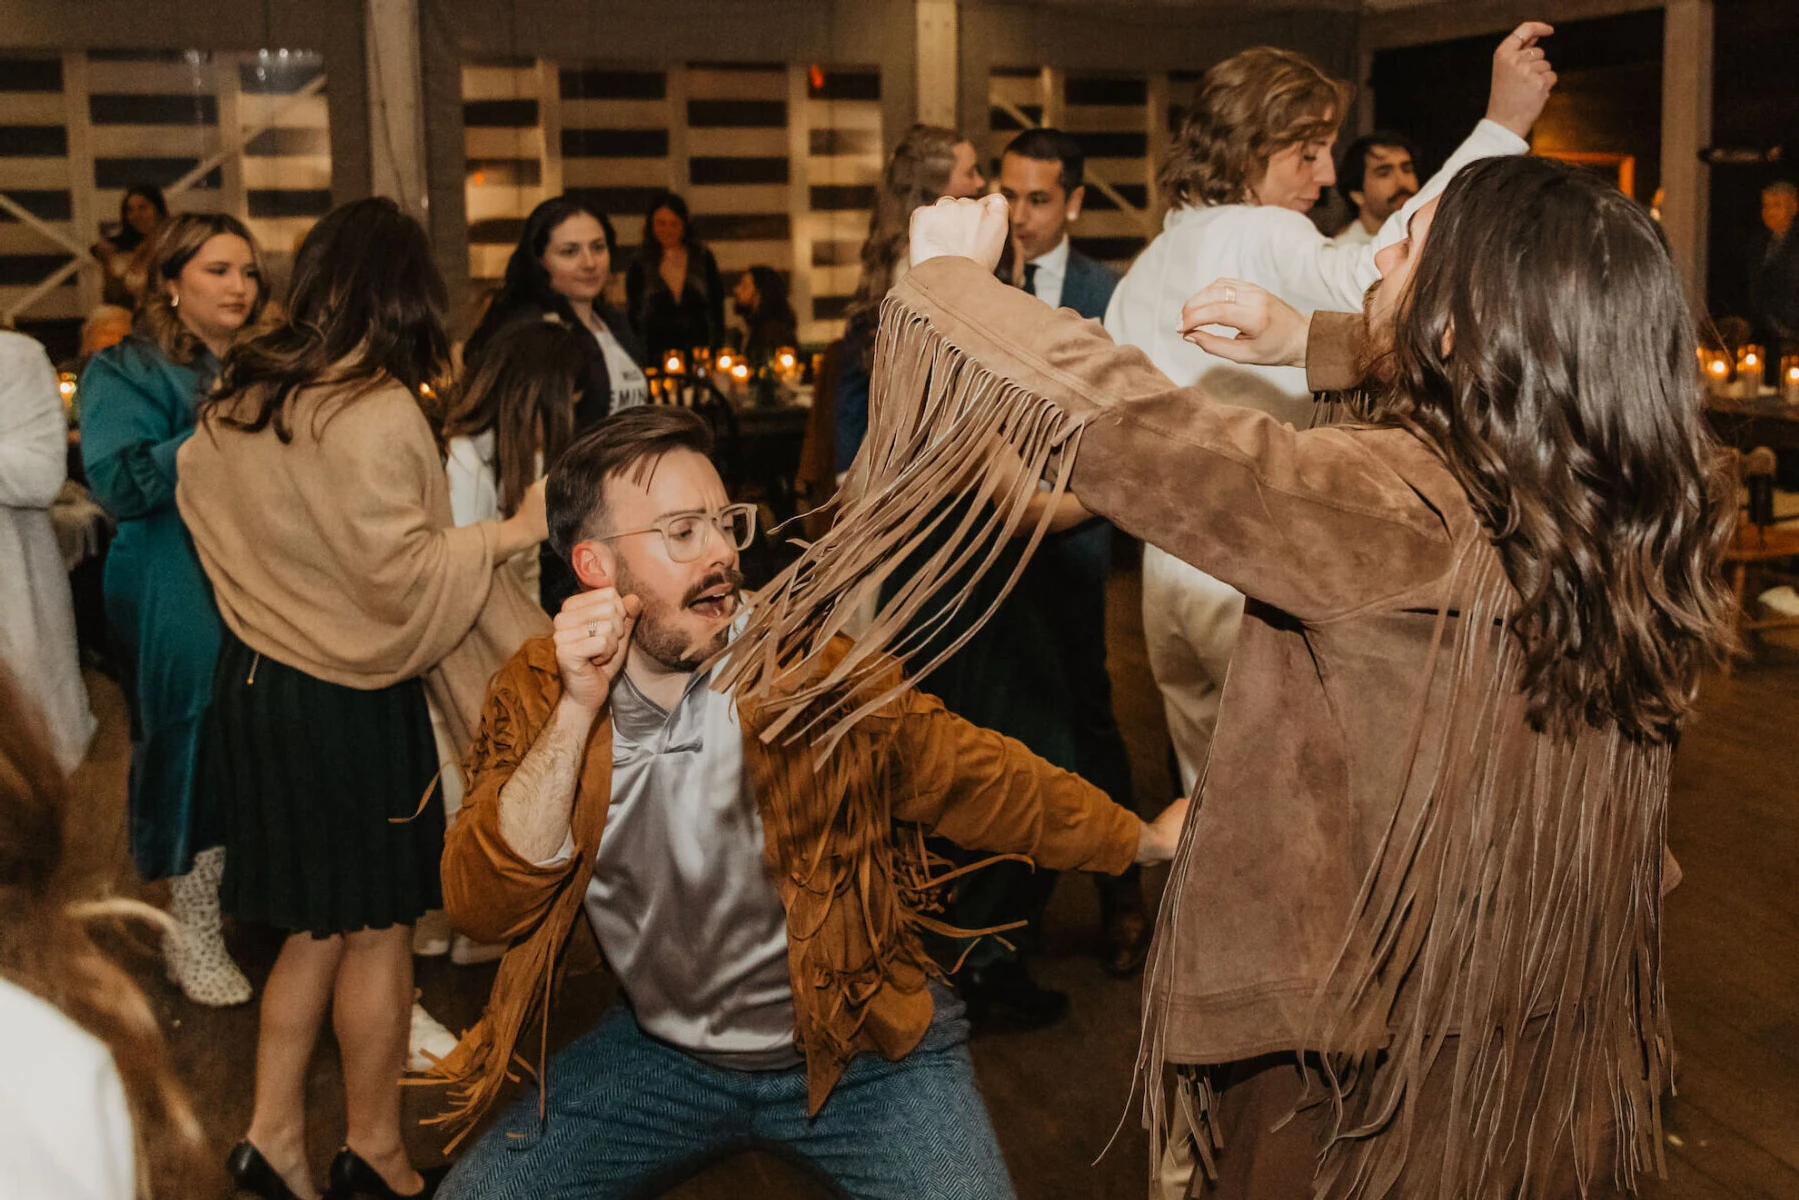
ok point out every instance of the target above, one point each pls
(950, 228)
(593, 632)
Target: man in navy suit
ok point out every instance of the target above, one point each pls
(1041, 177)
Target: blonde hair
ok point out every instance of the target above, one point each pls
(48, 917)
(1248, 108)
(177, 243)
(917, 174)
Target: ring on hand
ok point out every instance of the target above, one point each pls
(593, 629)
(1230, 295)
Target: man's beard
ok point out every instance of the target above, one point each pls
(656, 633)
(1395, 202)
(1376, 365)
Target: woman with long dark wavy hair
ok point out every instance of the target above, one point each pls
(1411, 943)
(316, 495)
(673, 290)
(559, 270)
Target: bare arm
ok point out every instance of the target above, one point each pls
(537, 802)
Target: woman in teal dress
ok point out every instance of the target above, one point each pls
(138, 401)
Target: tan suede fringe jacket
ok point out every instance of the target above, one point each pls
(844, 847)
(1388, 868)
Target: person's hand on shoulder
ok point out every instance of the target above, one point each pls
(951, 228)
(1522, 79)
(1270, 332)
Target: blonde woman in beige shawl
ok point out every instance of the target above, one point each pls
(316, 495)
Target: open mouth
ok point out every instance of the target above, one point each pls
(716, 603)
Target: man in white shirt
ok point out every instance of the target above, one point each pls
(1247, 222)
(1379, 174)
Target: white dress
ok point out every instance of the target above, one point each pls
(65, 1129)
(1190, 619)
(37, 614)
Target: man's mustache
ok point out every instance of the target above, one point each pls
(730, 575)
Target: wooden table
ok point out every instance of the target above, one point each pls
(1747, 424)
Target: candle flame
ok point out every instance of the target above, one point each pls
(740, 372)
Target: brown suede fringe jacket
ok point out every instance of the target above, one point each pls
(1388, 870)
(844, 846)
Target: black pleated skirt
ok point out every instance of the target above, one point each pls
(312, 789)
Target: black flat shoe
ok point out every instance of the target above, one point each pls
(251, 1172)
(351, 1176)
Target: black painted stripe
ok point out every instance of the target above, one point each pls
(23, 270)
(1016, 72)
(496, 231)
(505, 172)
(737, 114)
(128, 172)
(736, 170)
(1109, 249)
(842, 197)
(615, 143)
(1135, 194)
(33, 141)
(30, 74)
(46, 204)
(500, 114)
(838, 143)
(277, 76)
(845, 85)
(1105, 91)
(999, 119)
(829, 308)
(838, 253)
(601, 84)
(288, 202)
(111, 108)
(743, 227)
(1113, 144)
(627, 200)
(289, 142)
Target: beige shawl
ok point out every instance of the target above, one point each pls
(337, 553)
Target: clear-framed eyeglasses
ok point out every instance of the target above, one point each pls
(684, 534)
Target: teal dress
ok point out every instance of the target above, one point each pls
(137, 408)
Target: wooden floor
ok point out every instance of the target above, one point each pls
(1058, 1097)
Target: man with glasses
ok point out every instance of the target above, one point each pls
(757, 902)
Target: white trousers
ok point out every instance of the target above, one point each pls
(1190, 622)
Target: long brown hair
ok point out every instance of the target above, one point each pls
(916, 174)
(1248, 108)
(523, 388)
(176, 244)
(365, 306)
(47, 948)
(1546, 350)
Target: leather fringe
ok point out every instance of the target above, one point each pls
(941, 427)
(1506, 946)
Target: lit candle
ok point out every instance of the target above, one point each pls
(1789, 379)
(786, 360)
(1749, 371)
(724, 360)
(673, 364)
(740, 372)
